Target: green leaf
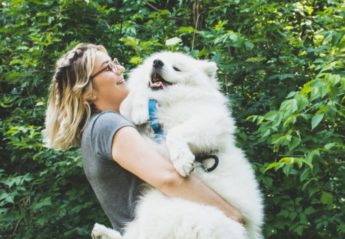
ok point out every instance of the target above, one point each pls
(188, 29)
(42, 203)
(330, 145)
(135, 60)
(326, 198)
(315, 121)
(302, 102)
(6, 198)
(289, 106)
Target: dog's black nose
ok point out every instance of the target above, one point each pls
(157, 63)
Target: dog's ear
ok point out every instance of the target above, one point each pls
(210, 68)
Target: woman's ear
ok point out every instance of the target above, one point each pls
(90, 97)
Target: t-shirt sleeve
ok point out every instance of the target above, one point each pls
(104, 129)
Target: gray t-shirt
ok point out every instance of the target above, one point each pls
(116, 188)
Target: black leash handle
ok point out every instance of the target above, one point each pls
(201, 158)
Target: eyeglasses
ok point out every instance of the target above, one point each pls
(111, 66)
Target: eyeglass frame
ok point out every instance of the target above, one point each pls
(115, 62)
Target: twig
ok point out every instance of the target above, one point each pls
(151, 6)
(15, 228)
(196, 8)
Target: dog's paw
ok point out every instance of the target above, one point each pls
(183, 161)
(140, 114)
(180, 154)
(101, 232)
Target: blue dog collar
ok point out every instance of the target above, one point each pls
(154, 122)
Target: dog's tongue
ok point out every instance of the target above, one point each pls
(157, 85)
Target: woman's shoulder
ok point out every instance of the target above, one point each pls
(101, 122)
(100, 131)
(109, 117)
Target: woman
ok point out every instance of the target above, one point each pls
(83, 109)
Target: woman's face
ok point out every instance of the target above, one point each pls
(109, 86)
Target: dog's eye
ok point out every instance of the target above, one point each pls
(176, 69)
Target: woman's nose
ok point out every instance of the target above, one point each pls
(121, 69)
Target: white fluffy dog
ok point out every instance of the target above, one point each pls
(195, 119)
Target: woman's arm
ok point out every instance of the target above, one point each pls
(133, 153)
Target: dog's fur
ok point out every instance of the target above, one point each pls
(196, 119)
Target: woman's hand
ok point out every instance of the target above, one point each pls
(132, 152)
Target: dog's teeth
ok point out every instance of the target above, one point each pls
(157, 81)
(154, 78)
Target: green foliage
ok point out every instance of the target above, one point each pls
(281, 63)
(306, 135)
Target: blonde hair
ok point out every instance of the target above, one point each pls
(68, 111)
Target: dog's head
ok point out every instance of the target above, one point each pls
(164, 69)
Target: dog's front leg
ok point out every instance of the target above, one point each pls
(180, 154)
(134, 107)
(197, 134)
(101, 232)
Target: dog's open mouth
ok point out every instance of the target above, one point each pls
(157, 82)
